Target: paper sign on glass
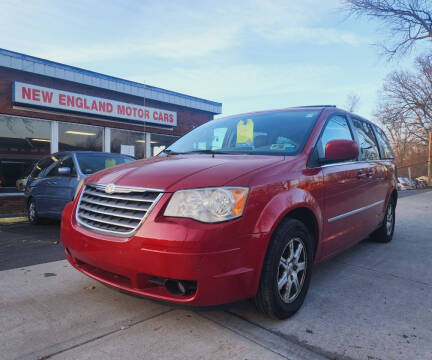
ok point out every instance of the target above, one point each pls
(245, 130)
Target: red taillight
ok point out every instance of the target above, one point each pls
(404, 184)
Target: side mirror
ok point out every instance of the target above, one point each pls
(64, 171)
(341, 150)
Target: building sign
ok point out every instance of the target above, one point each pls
(26, 94)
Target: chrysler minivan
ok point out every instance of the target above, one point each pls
(240, 207)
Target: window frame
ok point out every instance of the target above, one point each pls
(74, 172)
(60, 157)
(375, 127)
(34, 167)
(352, 118)
(325, 127)
(43, 173)
(314, 160)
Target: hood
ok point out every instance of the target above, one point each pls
(176, 172)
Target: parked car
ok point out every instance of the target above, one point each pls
(416, 184)
(54, 179)
(410, 182)
(404, 184)
(240, 207)
(423, 183)
(423, 179)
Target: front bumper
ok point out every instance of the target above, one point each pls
(225, 266)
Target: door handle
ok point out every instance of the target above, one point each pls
(361, 174)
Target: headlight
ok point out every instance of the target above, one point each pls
(78, 189)
(208, 205)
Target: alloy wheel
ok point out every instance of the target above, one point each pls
(32, 211)
(389, 219)
(292, 270)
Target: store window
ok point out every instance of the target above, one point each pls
(127, 142)
(23, 141)
(161, 142)
(80, 137)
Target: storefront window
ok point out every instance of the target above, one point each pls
(80, 137)
(161, 142)
(23, 141)
(127, 142)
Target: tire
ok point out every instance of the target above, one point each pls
(281, 267)
(384, 233)
(32, 213)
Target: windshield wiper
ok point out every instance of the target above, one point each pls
(170, 152)
(205, 152)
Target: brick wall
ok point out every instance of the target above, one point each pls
(187, 118)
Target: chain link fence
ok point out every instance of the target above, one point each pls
(414, 171)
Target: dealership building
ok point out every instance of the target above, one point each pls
(46, 107)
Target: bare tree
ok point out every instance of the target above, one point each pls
(405, 110)
(352, 101)
(406, 21)
(396, 128)
(408, 96)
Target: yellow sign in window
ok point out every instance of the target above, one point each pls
(245, 130)
(109, 163)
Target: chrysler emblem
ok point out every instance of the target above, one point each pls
(110, 188)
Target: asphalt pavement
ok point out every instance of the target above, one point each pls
(374, 301)
(22, 244)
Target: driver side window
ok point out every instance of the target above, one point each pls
(336, 129)
(68, 162)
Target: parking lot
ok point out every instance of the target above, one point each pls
(372, 302)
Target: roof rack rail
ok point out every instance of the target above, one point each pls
(308, 106)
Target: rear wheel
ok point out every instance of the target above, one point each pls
(385, 233)
(286, 271)
(32, 213)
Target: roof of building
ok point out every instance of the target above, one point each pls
(18, 61)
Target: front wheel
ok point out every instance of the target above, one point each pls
(32, 213)
(286, 271)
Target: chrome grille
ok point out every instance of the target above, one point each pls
(115, 209)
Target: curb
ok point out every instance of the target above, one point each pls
(12, 220)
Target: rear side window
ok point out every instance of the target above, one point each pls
(367, 142)
(336, 129)
(386, 150)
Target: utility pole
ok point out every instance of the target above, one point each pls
(429, 158)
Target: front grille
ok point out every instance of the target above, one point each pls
(115, 209)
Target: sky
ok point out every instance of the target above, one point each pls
(248, 55)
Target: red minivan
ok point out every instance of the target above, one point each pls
(240, 207)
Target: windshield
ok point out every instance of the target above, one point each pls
(270, 133)
(90, 163)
